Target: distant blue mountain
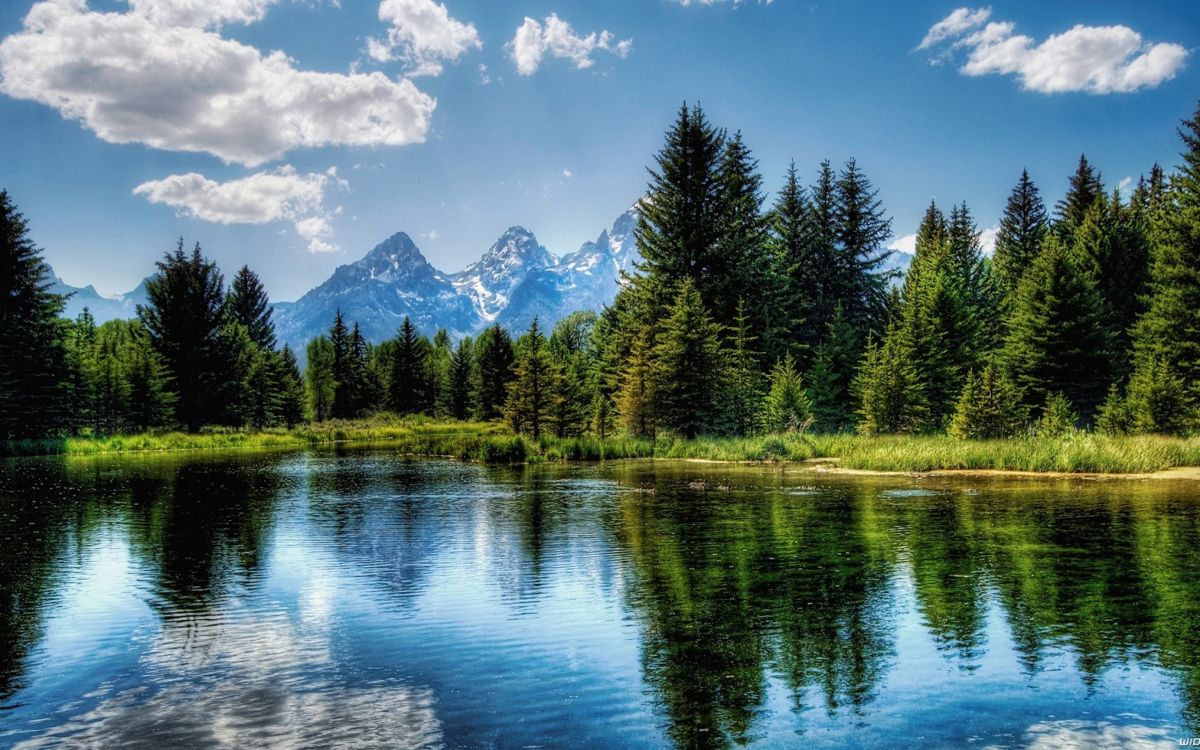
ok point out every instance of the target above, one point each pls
(516, 280)
(102, 308)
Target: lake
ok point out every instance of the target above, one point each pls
(356, 598)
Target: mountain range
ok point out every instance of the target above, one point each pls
(516, 280)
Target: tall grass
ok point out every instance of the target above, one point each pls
(1077, 452)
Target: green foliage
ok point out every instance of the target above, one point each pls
(637, 397)
(461, 367)
(409, 388)
(184, 315)
(888, 388)
(1019, 238)
(1058, 418)
(831, 378)
(1167, 336)
(319, 378)
(988, 409)
(1114, 417)
(1160, 401)
(786, 407)
(743, 392)
(248, 304)
(689, 369)
(531, 394)
(494, 369)
(1057, 340)
(1084, 190)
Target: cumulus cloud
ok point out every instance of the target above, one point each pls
(1095, 59)
(160, 74)
(423, 35)
(556, 38)
(262, 198)
(905, 244)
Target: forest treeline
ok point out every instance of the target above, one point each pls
(741, 318)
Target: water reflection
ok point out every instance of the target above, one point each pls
(359, 599)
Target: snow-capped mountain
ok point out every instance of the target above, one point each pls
(491, 281)
(516, 280)
(103, 308)
(377, 292)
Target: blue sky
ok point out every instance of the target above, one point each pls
(128, 124)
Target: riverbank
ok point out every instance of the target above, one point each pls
(1076, 453)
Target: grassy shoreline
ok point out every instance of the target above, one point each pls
(1079, 453)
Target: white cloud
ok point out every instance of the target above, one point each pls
(1095, 59)
(423, 35)
(159, 75)
(533, 41)
(905, 244)
(567, 173)
(987, 239)
(958, 22)
(262, 198)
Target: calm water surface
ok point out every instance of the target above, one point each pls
(358, 599)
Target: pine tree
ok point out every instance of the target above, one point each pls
(1057, 340)
(292, 397)
(742, 260)
(408, 387)
(989, 407)
(183, 317)
(111, 394)
(887, 385)
(438, 367)
(743, 390)
(461, 366)
(1166, 339)
(1019, 239)
(571, 351)
(248, 304)
(862, 230)
(320, 379)
(345, 379)
(528, 408)
(786, 407)
(151, 399)
(679, 224)
(265, 407)
(831, 377)
(689, 367)
(636, 395)
(1057, 419)
(83, 370)
(239, 400)
(799, 313)
(1084, 190)
(494, 369)
(1160, 401)
(34, 397)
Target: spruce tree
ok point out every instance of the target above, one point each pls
(679, 224)
(461, 366)
(862, 230)
(438, 368)
(529, 406)
(744, 391)
(1085, 189)
(183, 317)
(573, 357)
(989, 407)
(831, 377)
(689, 367)
(1058, 418)
(636, 395)
(1166, 339)
(1019, 239)
(798, 313)
(888, 390)
(1057, 339)
(494, 370)
(34, 399)
(408, 386)
(292, 397)
(248, 304)
(151, 399)
(742, 260)
(320, 379)
(786, 407)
